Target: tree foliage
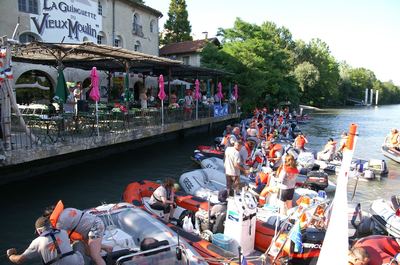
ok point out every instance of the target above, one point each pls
(270, 67)
(177, 28)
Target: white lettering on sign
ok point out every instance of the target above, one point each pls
(72, 19)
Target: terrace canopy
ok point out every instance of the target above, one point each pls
(105, 58)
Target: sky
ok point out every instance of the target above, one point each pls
(364, 33)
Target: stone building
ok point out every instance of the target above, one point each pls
(119, 23)
(189, 52)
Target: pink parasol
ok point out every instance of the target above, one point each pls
(236, 92)
(161, 93)
(197, 95)
(94, 92)
(219, 94)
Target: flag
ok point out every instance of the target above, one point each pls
(295, 236)
(244, 261)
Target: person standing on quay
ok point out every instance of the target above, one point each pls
(233, 167)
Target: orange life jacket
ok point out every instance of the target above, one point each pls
(289, 170)
(74, 236)
(300, 141)
(262, 178)
(275, 148)
(227, 136)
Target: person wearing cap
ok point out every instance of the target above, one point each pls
(328, 152)
(52, 246)
(219, 208)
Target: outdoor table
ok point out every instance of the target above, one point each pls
(53, 122)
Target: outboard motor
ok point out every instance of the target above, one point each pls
(312, 239)
(316, 180)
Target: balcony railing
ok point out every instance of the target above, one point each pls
(137, 30)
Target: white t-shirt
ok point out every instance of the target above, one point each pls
(232, 157)
(159, 193)
(44, 246)
(188, 101)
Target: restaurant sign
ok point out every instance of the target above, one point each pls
(73, 20)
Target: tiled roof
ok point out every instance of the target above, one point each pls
(145, 7)
(186, 46)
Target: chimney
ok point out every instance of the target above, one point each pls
(205, 34)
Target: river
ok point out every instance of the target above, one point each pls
(92, 183)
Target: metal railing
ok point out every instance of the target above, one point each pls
(68, 129)
(137, 30)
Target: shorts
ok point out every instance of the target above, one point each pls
(285, 194)
(97, 229)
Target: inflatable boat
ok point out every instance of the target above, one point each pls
(376, 166)
(383, 213)
(212, 177)
(391, 153)
(139, 193)
(138, 238)
(267, 221)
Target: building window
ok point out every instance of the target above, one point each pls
(118, 41)
(137, 47)
(185, 60)
(27, 37)
(28, 6)
(99, 8)
(137, 29)
(152, 26)
(99, 39)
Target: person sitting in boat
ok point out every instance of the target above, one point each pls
(231, 138)
(328, 152)
(262, 180)
(52, 246)
(163, 198)
(374, 250)
(300, 141)
(275, 152)
(287, 174)
(217, 213)
(393, 139)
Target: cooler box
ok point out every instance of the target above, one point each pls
(223, 241)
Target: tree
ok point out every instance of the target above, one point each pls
(307, 75)
(260, 57)
(177, 28)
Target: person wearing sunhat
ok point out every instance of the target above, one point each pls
(52, 246)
